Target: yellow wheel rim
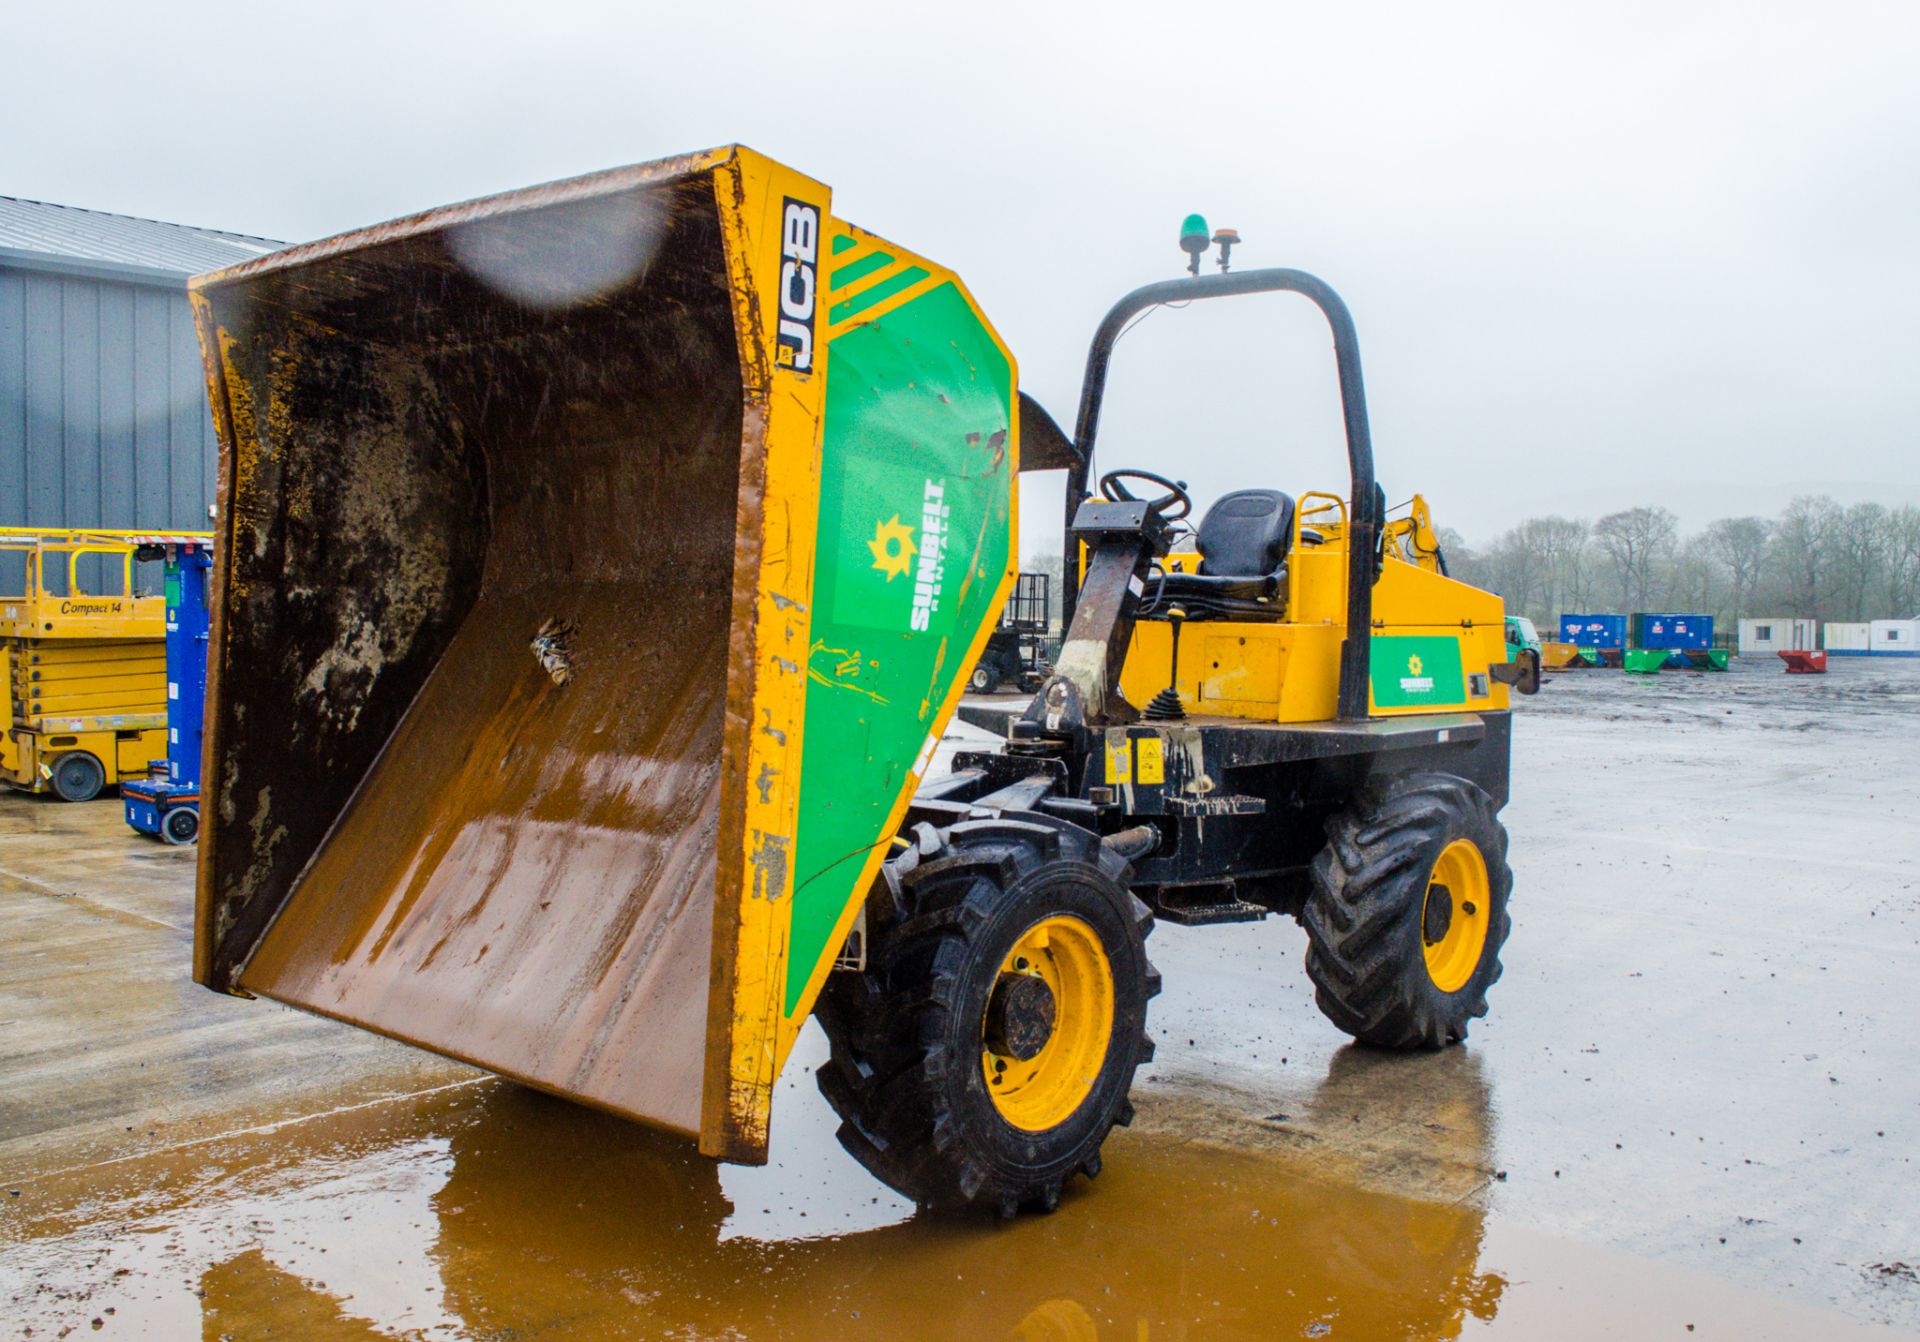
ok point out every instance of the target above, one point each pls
(1042, 1091)
(1455, 915)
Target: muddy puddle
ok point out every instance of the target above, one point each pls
(488, 1211)
(1676, 1123)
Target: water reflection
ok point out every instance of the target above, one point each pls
(500, 1212)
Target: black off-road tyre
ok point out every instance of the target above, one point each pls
(77, 776)
(984, 680)
(905, 1074)
(1365, 951)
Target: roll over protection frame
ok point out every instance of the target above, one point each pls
(1367, 503)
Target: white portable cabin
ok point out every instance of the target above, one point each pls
(1894, 638)
(1848, 640)
(1778, 633)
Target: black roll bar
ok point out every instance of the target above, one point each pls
(1364, 509)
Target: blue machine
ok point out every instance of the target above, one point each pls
(167, 802)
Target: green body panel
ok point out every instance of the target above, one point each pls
(1646, 661)
(1411, 670)
(916, 496)
(860, 269)
(879, 293)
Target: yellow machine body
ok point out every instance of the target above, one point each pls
(1435, 639)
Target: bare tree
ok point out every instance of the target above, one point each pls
(1859, 557)
(1518, 568)
(1739, 546)
(1801, 555)
(1902, 577)
(1817, 560)
(1692, 580)
(1637, 542)
(1559, 546)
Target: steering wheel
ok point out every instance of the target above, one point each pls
(1113, 487)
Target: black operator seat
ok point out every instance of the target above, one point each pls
(1243, 542)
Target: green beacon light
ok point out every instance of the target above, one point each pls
(1195, 239)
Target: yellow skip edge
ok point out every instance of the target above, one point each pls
(766, 691)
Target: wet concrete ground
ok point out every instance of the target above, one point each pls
(1696, 1102)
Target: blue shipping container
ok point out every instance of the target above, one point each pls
(1594, 631)
(1672, 631)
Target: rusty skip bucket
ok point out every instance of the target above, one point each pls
(598, 566)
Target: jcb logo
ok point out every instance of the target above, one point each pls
(799, 253)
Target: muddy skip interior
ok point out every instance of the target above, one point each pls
(542, 444)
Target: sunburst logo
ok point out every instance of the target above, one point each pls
(1413, 665)
(893, 547)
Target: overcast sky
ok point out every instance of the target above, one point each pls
(1599, 255)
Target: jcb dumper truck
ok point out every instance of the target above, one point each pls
(599, 566)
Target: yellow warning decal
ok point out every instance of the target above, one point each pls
(1119, 760)
(1151, 766)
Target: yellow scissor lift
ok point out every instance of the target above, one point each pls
(85, 660)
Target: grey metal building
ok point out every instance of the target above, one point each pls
(103, 403)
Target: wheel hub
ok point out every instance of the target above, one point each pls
(1439, 915)
(1454, 920)
(1020, 1016)
(1048, 1023)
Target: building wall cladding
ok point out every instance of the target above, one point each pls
(1846, 639)
(103, 401)
(103, 404)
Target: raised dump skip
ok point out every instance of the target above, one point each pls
(600, 563)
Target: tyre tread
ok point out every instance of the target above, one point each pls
(886, 1025)
(1367, 884)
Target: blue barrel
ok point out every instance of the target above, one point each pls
(1594, 631)
(1671, 630)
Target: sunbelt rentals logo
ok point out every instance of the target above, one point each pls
(896, 553)
(894, 544)
(893, 547)
(1414, 682)
(933, 548)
